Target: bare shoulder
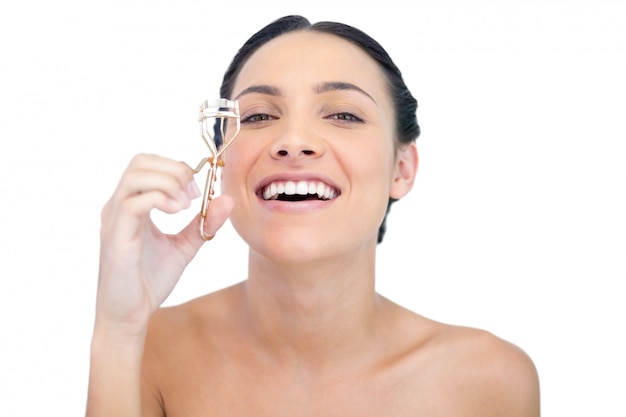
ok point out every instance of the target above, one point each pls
(486, 375)
(190, 321)
(179, 347)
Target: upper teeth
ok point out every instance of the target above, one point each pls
(273, 190)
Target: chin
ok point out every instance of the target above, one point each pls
(291, 245)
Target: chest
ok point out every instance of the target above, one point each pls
(233, 392)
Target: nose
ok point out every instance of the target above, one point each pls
(295, 143)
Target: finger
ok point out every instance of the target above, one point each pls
(148, 163)
(217, 212)
(156, 163)
(138, 182)
(124, 220)
(151, 162)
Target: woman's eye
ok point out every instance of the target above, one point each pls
(348, 117)
(255, 118)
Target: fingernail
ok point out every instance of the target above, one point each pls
(192, 189)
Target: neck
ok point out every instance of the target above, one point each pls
(318, 312)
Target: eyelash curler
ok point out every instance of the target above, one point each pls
(214, 113)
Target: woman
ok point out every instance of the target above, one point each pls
(322, 106)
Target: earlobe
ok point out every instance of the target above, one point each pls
(405, 171)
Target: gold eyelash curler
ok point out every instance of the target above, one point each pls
(212, 111)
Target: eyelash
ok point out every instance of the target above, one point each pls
(257, 118)
(345, 117)
(263, 117)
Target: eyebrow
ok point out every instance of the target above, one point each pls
(319, 89)
(261, 89)
(340, 85)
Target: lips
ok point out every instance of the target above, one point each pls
(298, 190)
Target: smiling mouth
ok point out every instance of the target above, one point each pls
(298, 191)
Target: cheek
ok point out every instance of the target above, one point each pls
(239, 159)
(233, 183)
(373, 163)
(232, 172)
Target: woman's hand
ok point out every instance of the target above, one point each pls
(140, 265)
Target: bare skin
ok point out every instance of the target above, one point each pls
(305, 333)
(406, 365)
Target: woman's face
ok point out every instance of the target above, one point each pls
(314, 163)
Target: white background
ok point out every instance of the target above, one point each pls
(516, 223)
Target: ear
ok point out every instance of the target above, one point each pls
(404, 171)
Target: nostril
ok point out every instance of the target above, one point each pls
(301, 153)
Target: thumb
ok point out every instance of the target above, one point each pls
(218, 211)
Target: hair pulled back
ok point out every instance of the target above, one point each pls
(405, 105)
